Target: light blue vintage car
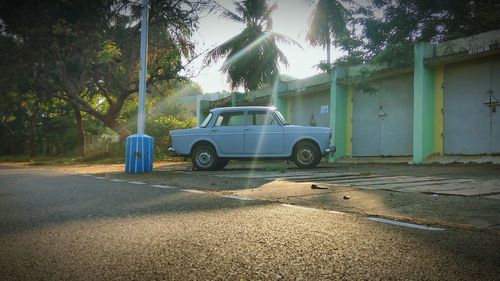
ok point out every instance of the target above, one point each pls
(250, 132)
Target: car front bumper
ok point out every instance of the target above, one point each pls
(331, 150)
(172, 152)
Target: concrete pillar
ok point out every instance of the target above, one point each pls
(423, 105)
(204, 105)
(233, 99)
(282, 104)
(198, 110)
(338, 114)
(349, 116)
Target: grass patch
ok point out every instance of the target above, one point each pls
(276, 168)
(38, 160)
(100, 158)
(15, 158)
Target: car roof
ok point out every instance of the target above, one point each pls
(243, 108)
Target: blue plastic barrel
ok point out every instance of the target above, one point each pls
(139, 152)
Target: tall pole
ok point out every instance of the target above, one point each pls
(144, 65)
(139, 148)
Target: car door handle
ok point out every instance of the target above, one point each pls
(248, 129)
(214, 130)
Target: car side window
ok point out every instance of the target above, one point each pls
(229, 119)
(261, 118)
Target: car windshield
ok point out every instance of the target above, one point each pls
(281, 118)
(207, 119)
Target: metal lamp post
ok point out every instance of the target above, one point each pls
(139, 148)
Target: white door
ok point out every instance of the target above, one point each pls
(471, 121)
(382, 121)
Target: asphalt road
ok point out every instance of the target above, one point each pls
(56, 226)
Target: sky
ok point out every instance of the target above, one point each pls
(291, 18)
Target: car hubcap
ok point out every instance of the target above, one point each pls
(305, 156)
(204, 159)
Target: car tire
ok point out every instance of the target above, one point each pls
(306, 155)
(222, 163)
(204, 158)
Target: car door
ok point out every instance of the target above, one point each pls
(228, 133)
(264, 135)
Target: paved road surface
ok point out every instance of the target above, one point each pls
(57, 226)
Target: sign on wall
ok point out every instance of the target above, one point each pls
(324, 109)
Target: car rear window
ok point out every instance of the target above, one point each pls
(261, 118)
(230, 119)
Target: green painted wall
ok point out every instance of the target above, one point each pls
(233, 100)
(338, 116)
(423, 105)
(204, 106)
(349, 116)
(282, 106)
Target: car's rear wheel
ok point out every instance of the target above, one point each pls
(204, 158)
(306, 155)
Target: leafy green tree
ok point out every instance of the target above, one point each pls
(327, 26)
(23, 104)
(252, 56)
(89, 50)
(164, 112)
(12, 123)
(390, 28)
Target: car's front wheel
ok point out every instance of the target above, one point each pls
(306, 155)
(204, 158)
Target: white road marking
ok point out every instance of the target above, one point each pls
(192, 190)
(300, 207)
(188, 173)
(136, 182)
(162, 186)
(336, 212)
(411, 225)
(100, 178)
(86, 175)
(116, 180)
(238, 197)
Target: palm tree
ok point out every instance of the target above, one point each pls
(327, 24)
(252, 56)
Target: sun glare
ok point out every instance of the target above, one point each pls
(233, 59)
(290, 19)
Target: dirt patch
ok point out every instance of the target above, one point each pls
(431, 209)
(97, 169)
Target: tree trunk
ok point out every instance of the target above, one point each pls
(117, 127)
(328, 59)
(32, 137)
(12, 141)
(80, 143)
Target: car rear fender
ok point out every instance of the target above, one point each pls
(204, 141)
